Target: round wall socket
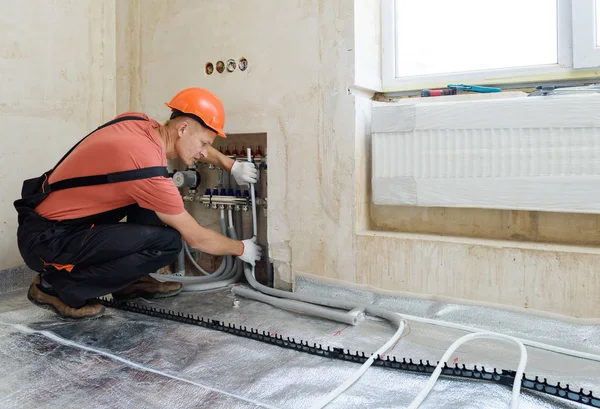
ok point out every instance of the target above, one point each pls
(231, 65)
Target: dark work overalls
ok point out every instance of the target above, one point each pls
(96, 255)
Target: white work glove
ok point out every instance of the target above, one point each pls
(252, 251)
(244, 173)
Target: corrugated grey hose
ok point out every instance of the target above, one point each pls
(298, 306)
(232, 276)
(225, 271)
(224, 268)
(319, 301)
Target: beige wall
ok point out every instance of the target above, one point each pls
(296, 90)
(56, 83)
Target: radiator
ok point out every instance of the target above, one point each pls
(529, 153)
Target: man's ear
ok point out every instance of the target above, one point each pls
(181, 128)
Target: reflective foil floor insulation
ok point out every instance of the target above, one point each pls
(194, 367)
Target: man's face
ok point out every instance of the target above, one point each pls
(193, 142)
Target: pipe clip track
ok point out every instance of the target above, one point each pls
(502, 377)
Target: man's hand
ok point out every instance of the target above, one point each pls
(252, 251)
(244, 173)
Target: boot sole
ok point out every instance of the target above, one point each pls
(64, 317)
(148, 295)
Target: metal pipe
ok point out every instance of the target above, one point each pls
(253, 197)
(224, 200)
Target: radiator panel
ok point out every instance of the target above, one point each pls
(418, 162)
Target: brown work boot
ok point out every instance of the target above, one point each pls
(43, 298)
(148, 287)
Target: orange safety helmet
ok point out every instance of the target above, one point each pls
(202, 105)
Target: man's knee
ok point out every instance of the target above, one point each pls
(168, 249)
(165, 239)
(172, 240)
(178, 242)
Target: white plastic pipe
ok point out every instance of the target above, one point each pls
(325, 400)
(527, 342)
(516, 390)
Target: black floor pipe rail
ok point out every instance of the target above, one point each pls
(503, 377)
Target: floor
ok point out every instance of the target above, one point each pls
(127, 360)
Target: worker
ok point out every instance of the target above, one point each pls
(71, 219)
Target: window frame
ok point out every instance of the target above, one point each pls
(586, 53)
(564, 69)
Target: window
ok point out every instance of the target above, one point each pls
(437, 42)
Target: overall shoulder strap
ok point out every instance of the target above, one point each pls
(124, 176)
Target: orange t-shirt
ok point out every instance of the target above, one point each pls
(122, 146)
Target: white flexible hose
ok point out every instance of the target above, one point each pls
(325, 400)
(534, 344)
(516, 390)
